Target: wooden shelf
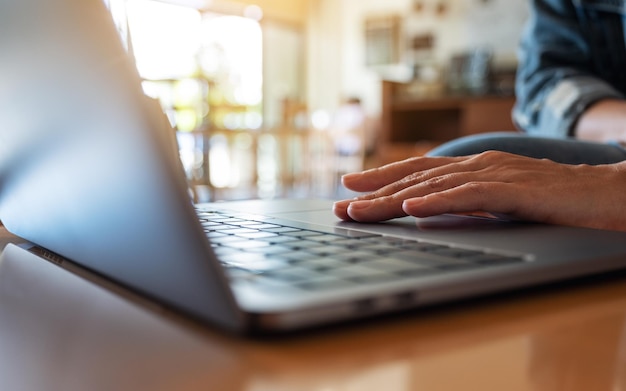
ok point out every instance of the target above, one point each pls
(413, 125)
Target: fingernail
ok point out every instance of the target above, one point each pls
(341, 204)
(352, 175)
(360, 205)
(411, 203)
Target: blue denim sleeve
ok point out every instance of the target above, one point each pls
(556, 82)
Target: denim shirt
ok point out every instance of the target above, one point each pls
(572, 54)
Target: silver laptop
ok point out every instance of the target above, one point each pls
(90, 174)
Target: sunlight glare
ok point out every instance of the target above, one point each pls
(165, 38)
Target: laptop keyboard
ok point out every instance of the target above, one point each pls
(255, 249)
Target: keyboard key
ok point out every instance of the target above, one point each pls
(389, 240)
(349, 243)
(266, 265)
(247, 244)
(257, 235)
(303, 234)
(303, 245)
(235, 231)
(325, 284)
(421, 258)
(221, 251)
(213, 235)
(239, 274)
(323, 263)
(262, 226)
(328, 250)
(418, 272)
(325, 238)
(278, 239)
(283, 230)
(379, 248)
(298, 274)
(241, 258)
(424, 247)
(391, 265)
(205, 223)
(296, 257)
(224, 239)
(355, 272)
(270, 250)
(356, 256)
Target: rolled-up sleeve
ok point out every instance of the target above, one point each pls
(556, 113)
(555, 81)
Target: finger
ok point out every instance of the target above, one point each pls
(387, 203)
(430, 181)
(375, 210)
(376, 178)
(340, 209)
(492, 197)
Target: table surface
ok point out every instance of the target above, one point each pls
(59, 331)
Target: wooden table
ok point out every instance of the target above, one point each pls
(61, 332)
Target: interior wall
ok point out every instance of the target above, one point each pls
(325, 45)
(284, 69)
(336, 40)
(357, 79)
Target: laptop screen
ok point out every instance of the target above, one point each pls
(88, 164)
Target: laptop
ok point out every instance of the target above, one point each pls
(90, 175)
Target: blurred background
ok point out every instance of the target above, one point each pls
(273, 98)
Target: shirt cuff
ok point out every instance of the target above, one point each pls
(568, 100)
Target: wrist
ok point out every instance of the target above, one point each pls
(603, 121)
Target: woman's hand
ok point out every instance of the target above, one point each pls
(494, 182)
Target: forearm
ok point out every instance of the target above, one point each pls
(604, 121)
(558, 79)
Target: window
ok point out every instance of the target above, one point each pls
(206, 70)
